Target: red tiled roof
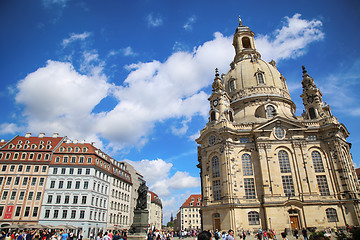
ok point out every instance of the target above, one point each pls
(155, 198)
(357, 172)
(21, 141)
(194, 199)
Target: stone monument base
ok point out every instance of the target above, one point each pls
(138, 230)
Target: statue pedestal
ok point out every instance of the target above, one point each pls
(138, 230)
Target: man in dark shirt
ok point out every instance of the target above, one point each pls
(150, 235)
(116, 236)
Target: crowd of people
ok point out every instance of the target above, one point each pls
(40, 234)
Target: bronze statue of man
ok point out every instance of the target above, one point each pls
(142, 197)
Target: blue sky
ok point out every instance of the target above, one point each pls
(134, 76)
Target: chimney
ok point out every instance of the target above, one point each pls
(83, 141)
(75, 141)
(2, 140)
(93, 143)
(27, 135)
(41, 135)
(55, 135)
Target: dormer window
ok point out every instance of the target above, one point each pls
(260, 77)
(232, 85)
(270, 111)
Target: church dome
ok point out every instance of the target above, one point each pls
(254, 77)
(257, 90)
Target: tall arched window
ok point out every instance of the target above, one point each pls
(253, 218)
(270, 110)
(246, 164)
(231, 118)
(312, 113)
(215, 167)
(317, 161)
(284, 162)
(212, 116)
(331, 215)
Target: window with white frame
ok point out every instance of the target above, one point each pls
(247, 165)
(284, 162)
(317, 161)
(215, 167)
(253, 218)
(323, 185)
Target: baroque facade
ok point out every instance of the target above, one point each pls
(261, 166)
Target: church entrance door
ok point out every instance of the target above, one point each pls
(217, 224)
(294, 222)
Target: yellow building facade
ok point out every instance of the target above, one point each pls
(261, 166)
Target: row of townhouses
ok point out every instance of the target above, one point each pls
(55, 181)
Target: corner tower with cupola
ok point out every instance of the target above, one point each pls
(261, 166)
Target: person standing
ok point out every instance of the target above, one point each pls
(64, 235)
(230, 235)
(150, 235)
(296, 233)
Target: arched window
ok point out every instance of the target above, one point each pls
(312, 113)
(212, 116)
(253, 218)
(317, 161)
(260, 78)
(246, 42)
(331, 215)
(270, 110)
(231, 118)
(232, 85)
(284, 162)
(215, 167)
(246, 164)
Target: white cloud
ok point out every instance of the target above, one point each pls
(189, 24)
(60, 3)
(291, 40)
(194, 136)
(9, 128)
(75, 37)
(340, 89)
(153, 21)
(157, 175)
(59, 98)
(127, 51)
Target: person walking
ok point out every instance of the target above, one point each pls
(304, 233)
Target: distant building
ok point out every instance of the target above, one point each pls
(137, 179)
(155, 211)
(358, 174)
(188, 217)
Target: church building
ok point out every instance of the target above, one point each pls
(261, 166)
